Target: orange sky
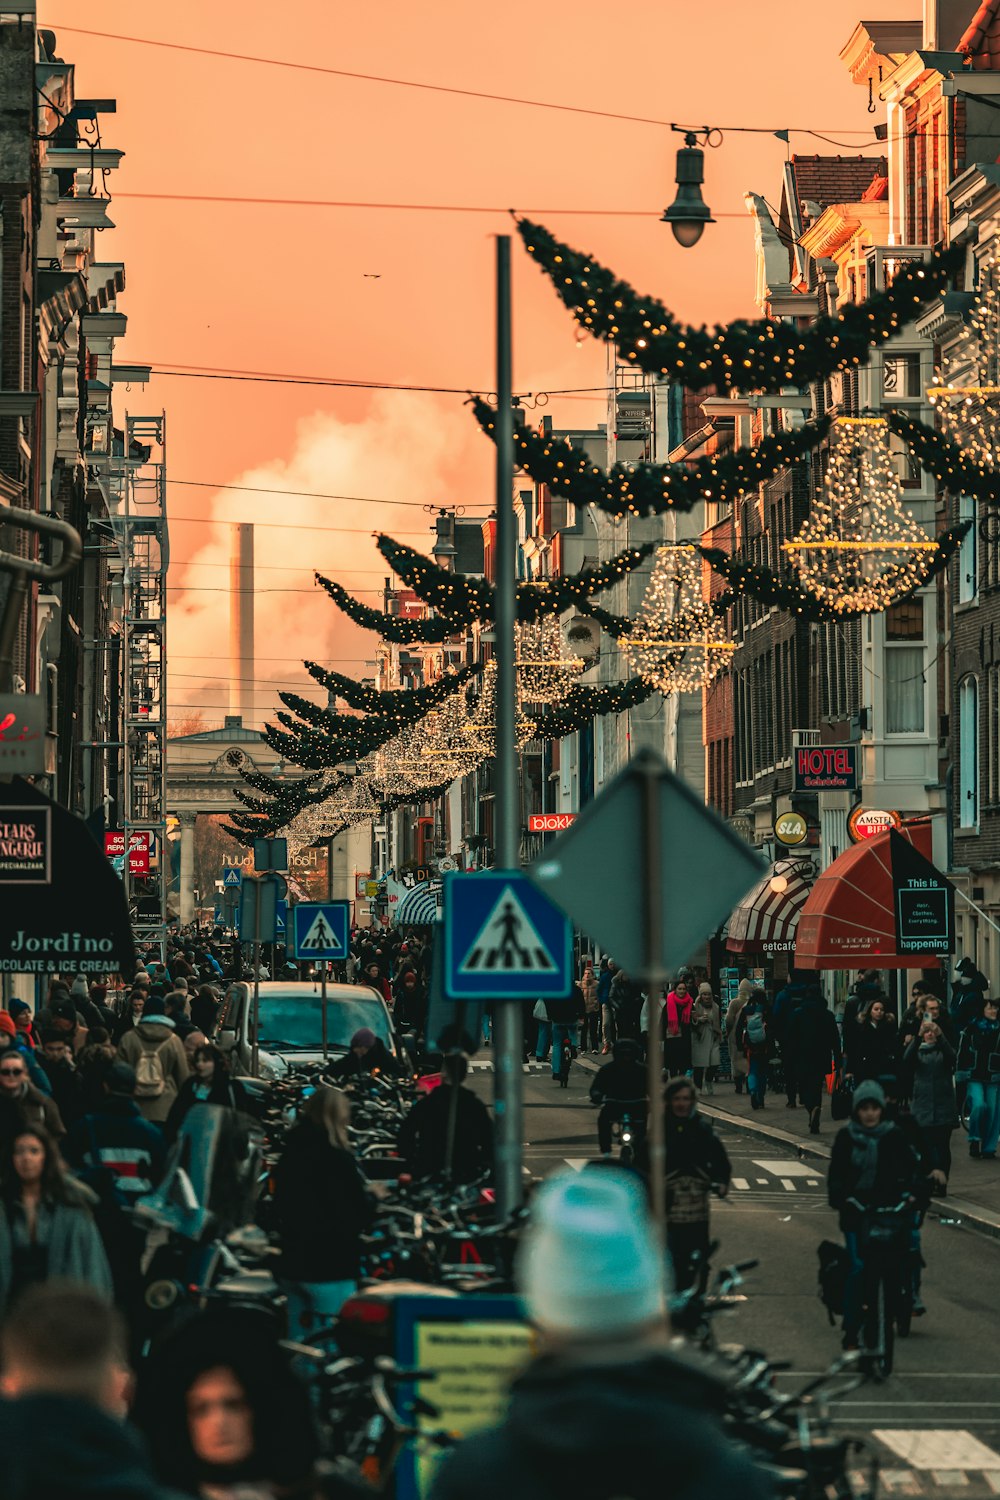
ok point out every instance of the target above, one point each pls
(285, 289)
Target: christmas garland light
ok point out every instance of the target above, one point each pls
(585, 703)
(467, 600)
(751, 581)
(950, 465)
(650, 489)
(760, 356)
(399, 706)
(390, 627)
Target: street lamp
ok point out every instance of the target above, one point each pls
(689, 213)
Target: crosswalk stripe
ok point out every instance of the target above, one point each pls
(788, 1185)
(576, 1162)
(741, 1183)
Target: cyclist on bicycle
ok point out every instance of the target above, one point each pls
(871, 1166)
(620, 1088)
(697, 1164)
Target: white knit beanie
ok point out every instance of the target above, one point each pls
(590, 1266)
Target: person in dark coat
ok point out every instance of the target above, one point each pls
(589, 1414)
(968, 993)
(979, 1068)
(872, 1043)
(63, 1432)
(812, 1047)
(785, 1002)
(322, 1207)
(697, 1164)
(872, 1164)
(423, 1139)
(929, 1061)
(626, 1005)
(753, 1037)
(565, 1016)
(366, 1054)
(65, 1083)
(210, 1083)
(620, 1084)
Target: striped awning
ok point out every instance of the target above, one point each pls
(418, 908)
(766, 919)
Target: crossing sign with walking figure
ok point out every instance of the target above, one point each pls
(504, 940)
(322, 929)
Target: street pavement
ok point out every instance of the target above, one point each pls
(936, 1422)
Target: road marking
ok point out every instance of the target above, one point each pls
(902, 1480)
(741, 1183)
(938, 1448)
(953, 1478)
(786, 1168)
(788, 1186)
(577, 1162)
(761, 1181)
(813, 1182)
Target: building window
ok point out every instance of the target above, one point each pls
(993, 737)
(968, 552)
(968, 752)
(905, 689)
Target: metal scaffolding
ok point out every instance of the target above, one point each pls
(142, 517)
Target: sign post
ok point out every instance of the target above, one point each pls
(650, 914)
(508, 1107)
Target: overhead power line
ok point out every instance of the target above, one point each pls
(432, 88)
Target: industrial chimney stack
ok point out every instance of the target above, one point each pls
(241, 644)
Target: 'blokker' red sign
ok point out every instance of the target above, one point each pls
(549, 822)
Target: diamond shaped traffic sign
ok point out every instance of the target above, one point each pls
(648, 834)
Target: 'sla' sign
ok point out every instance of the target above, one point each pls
(826, 768)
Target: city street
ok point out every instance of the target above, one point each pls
(941, 1403)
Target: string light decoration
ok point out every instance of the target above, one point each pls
(480, 727)
(584, 704)
(759, 356)
(390, 627)
(467, 600)
(968, 409)
(544, 667)
(859, 548)
(954, 469)
(677, 642)
(752, 581)
(399, 706)
(650, 489)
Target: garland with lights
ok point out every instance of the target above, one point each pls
(751, 581)
(761, 356)
(399, 706)
(582, 704)
(650, 489)
(467, 600)
(950, 464)
(390, 627)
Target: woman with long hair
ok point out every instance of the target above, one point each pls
(210, 1083)
(872, 1043)
(322, 1206)
(46, 1228)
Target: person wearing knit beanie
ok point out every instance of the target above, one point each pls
(607, 1407)
(590, 1266)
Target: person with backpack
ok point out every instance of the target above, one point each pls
(811, 1048)
(753, 1037)
(157, 1054)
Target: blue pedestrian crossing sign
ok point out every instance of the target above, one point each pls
(321, 929)
(504, 940)
(281, 919)
(232, 876)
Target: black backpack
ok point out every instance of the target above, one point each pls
(832, 1278)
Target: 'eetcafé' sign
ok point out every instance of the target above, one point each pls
(826, 768)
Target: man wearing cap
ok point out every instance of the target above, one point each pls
(871, 1165)
(605, 1408)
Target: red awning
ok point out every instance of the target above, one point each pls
(847, 921)
(765, 920)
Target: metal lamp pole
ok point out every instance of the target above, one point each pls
(508, 1018)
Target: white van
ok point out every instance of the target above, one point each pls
(291, 1025)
